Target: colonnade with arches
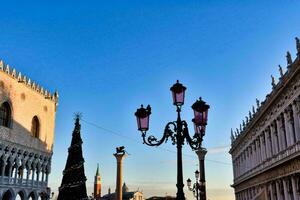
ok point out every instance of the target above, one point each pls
(23, 173)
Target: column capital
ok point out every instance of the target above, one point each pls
(120, 156)
(201, 153)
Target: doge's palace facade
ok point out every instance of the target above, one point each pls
(266, 148)
(27, 121)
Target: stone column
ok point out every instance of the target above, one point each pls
(274, 138)
(270, 142)
(259, 150)
(32, 177)
(296, 113)
(43, 175)
(291, 124)
(262, 148)
(251, 155)
(38, 177)
(47, 177)
(288, 127)
(246, 159)
(282, 132)
(239, 166)
(256, 152)
(119, 156)
(243, 162)
(3, 170)
(201, 157)
(294, 186)
(285, 189)
(16, 174)
(22, 174)
(267, 144)
(271, 191)
(278, 192)
(27, 175)
(10, 171)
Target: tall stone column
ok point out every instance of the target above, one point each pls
(278, 192)
(267, 144)
(285, 189)
(32, 177)
(3, 170)
(244, 162)
(251, 156)
(287, 127)
(255, 152)
(27, 175)
(271, 191)
(273, 135)
(258, 150)
(262, 148)
(294, 186)
(16, 174)
(296, 113)
(290, 120)
(201, 156)
(120, 155)
(281, 132)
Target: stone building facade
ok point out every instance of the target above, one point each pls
(27, 121)
(266, 148)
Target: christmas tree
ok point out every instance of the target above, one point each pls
(73, 182)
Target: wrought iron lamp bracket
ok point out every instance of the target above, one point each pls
(194, 142)
(169, 132)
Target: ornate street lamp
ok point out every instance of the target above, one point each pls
(177, 130)
(196, 186)
(200, 121)
(178, 94)
(142, 116)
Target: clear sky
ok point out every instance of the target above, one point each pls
(106, 58)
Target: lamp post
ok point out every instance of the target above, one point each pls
(196, 186)
(177, 130)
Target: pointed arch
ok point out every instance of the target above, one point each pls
(35, 127)
(21, 195)
(32, 196)
(5, 114)
(8, 195)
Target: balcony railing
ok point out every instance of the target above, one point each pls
(277, 159)
(5, 180)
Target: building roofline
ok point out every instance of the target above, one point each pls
(292, 69)
(12, 73)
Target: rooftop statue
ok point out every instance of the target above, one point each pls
(280, 71)
(289, 58)
(273, 81)
(298, 46)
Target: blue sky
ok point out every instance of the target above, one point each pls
(106, 58)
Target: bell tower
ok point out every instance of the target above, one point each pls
(97, 184)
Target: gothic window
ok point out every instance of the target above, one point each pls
(35, 127)
(5, 115)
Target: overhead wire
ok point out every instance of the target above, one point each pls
(137, 141)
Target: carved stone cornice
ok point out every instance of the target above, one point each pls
(283, 94)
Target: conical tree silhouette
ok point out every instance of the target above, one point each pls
(73, 182)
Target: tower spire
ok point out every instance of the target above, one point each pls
(97, 171)
(97, 184)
